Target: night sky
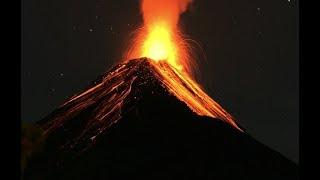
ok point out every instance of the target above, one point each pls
(251, 47)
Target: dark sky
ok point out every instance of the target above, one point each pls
(251, 48)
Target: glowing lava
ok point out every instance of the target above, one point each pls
(160, 45)
(188, 91)
(162, 42)
(160, 38)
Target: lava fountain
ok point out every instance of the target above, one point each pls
(161, 40)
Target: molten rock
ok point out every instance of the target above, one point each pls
(145, 120)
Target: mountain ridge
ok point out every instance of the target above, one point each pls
(148, 133)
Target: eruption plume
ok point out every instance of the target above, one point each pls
(162, 42)
(160, 37)
(147, 118)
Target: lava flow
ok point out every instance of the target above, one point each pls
(162, 42)
(167, 62)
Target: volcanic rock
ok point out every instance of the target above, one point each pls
(129, 125)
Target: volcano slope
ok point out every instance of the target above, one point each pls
(129, 125)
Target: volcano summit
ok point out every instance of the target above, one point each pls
(145, 120)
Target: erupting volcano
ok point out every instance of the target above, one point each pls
(127, 83)
(146, 118)
(161, 41)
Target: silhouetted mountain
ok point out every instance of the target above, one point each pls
(129, 125)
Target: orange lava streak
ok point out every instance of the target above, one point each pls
(188, 91)
(161, 40)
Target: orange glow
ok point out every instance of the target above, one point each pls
(161, 41)
(188, 91)
(160, 45)
(160, 38)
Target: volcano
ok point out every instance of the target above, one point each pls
(134, 123)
